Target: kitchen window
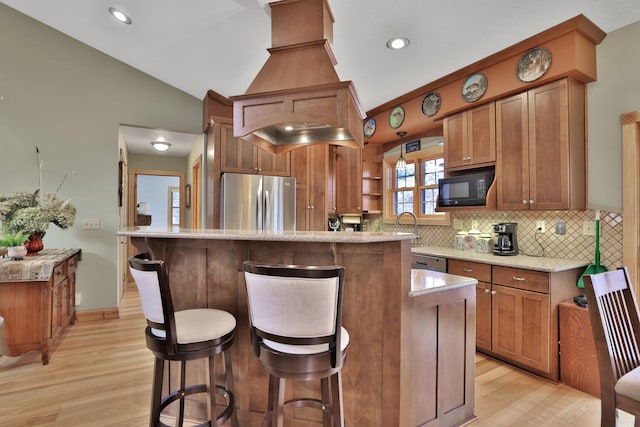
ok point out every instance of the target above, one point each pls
(415, 189)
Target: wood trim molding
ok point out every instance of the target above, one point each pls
(630, 191)
(98, 314)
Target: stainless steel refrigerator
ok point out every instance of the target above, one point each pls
(258, 202)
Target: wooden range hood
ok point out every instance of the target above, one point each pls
(298, 86)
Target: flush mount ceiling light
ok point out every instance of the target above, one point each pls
(398, 43)
(160, 145)
(402, 163)
(119, 15)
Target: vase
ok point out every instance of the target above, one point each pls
(34, 244)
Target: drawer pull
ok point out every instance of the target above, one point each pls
(519, 279)
(468, 270)
(58, 273)
(486, 291)
(494, 292)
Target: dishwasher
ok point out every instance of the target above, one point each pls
(428, 262)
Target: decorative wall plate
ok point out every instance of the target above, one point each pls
(474, 87)
(369, 128)
(396, 117)
(431, 104)
(533, 64)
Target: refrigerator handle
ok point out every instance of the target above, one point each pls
(267, 211)
(259, 211)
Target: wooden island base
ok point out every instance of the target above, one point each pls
(410, 360)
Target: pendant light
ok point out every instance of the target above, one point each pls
(401, 164)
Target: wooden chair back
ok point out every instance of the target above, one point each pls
(297, 305)
(616, 330)
(152, 282)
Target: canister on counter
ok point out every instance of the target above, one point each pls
(484, 244)
(458, 241)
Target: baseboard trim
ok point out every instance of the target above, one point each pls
(98, 314)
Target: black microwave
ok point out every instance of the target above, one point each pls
(464, 190)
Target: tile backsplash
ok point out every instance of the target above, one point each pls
(573, 244)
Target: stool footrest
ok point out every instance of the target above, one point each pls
(201, 388)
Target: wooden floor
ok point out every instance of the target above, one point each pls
(101, 376)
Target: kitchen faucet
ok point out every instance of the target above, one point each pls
(415, 224)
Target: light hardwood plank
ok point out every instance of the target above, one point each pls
(101, 376)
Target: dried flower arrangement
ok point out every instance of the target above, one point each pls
(32, 213)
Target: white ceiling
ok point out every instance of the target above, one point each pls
(198, 45)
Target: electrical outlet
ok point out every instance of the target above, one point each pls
(91, 224)
(561, 227)
(540, 226)
(458, 224)
(589, 228)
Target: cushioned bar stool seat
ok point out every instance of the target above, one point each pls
(183, 336)
(295, 315)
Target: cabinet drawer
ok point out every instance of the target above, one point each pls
(536, 281)
(480, 272)
(59, 273)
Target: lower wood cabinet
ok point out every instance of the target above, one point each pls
(38, 312)
(521, 327)
(517, 313)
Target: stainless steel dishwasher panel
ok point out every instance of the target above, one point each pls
(428, 262)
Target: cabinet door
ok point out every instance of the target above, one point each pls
(549, 146)
(455, 135)
(512, 139)
(348, 172)
(300, 171)
(481, 134)
(521, 322)
(319, 182)
(236, 155)
(273, 164)
(309, 165)
(56, 309)
(483, 316)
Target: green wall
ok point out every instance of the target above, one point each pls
(69, 100)
(615, 92)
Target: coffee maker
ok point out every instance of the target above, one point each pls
(506, 238)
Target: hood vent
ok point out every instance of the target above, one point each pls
(297, 98)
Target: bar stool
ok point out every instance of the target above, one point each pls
(183, 336)
(295, 315)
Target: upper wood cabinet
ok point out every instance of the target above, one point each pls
(310, 168)
(470, 138)
(348, 179)
(372, 190)
(540, 137)
(237, 155)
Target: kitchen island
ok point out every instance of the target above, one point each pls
(410, 359)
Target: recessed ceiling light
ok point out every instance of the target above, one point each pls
(160, 145)
(119, 15)
(398, 43)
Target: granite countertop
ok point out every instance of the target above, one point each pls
(545, 264)
(34, 268)
(284, 236)
(424, 282)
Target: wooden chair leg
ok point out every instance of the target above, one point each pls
(212, 390)
(180, 417)
(326, 402)
(156, 392)
(336, 399)
(228, 375)
(276, 400)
